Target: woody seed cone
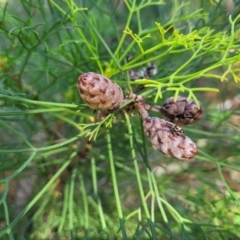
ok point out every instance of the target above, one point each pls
(99, 92)
(181, 112)
(166, 137)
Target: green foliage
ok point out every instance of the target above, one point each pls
(65, 176)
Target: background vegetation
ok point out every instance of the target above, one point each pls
(55, 183)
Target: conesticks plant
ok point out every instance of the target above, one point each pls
(99, 102)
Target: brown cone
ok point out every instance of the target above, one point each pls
(169, 139)
(166, 137)
(181, 112)
(99, 92)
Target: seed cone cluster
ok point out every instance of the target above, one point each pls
(181, 112)
(99, 92)
(167, 137)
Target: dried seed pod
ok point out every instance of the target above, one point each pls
(149, 71)
(146, 72)
(169, 139)
(99, 92)
(181, 112)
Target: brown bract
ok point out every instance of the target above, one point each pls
(99, 92)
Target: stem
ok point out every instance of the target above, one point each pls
(113, 172)
(133, 153)
(71, 202)
(85, 200)
(124, 34)
(95, 191)
(156, 193)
